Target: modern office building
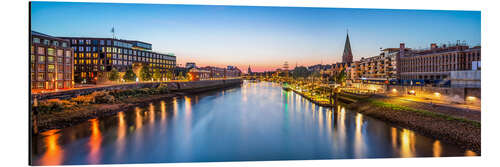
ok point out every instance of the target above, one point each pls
(94, 57)
(51, 62)
(437, 62)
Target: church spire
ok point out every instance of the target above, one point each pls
(347, 55)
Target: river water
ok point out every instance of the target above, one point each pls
(257, 121)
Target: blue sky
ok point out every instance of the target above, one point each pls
(263, 37)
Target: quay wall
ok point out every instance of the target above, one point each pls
(188, 87)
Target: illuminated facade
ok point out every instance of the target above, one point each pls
(51, 62)
(94, 57)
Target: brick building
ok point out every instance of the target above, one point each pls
(51, 62)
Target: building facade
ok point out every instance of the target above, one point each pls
(51, 62)
(377, 68)
(94, 57)
(437, 62)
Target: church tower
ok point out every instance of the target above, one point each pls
(347, 56)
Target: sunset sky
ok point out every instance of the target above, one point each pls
(262, 37)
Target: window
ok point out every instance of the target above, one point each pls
(32, 58)
(50, 68)
(50, 76)
(68, 61)
(68, 53)
(36, 40)
(108, 42)
(87, 42)
(80, 55)
(87, 49)
(80, 48)
(60, 52)
(67, 76)
(41, 50)
(55, 43)
(40, 77)
(80, 42)
(41, 59)
(102, 42)
(59, 60)
(96, 55)
(67, 68)
(64, 44)
(87, 55)
(50, 59)
(60, 68)
(46, 42)
(60, 77)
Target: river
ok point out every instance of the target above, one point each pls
(257, 121)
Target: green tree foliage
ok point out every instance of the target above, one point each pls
(113, 75)
(156, 74)
(129, 75)
(170, 74)
(146, 74)
(340, 77)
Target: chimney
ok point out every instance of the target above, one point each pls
(398, 60)
(433, 46)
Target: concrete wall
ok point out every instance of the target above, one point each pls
(188, 87)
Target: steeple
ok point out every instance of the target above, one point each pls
(249, 70)
(347, 56)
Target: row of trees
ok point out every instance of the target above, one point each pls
(145, 75)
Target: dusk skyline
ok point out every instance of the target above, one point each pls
(262, 37)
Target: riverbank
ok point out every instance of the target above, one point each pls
(57, 114)
(448, 124)
(463, 132)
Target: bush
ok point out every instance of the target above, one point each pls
(54, 105)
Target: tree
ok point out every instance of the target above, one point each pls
(156, 74)
(129, 75)
(340, 77)
(113, 75)
(169, 74)
(145, 73)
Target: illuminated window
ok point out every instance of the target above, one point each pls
(50, 68)
(50, 59)
(60, 60)
(32, 58)
(80, 55)
(96, 55)
(88, 55)
(50, 76)
(40, 77)
(41, 50)
(41, 59)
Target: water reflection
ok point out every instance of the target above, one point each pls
(358, 141)
(220, 126)
(54, 154)
(436, 148)
(95, 142)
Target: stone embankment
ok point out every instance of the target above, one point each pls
(84, 112)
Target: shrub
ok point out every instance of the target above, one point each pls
(54, 105)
